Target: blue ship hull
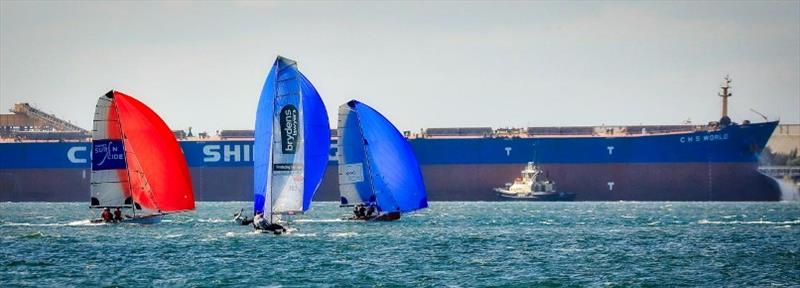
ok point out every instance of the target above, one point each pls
(693, 166)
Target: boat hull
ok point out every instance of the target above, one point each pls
(504, 194)
(148, 219)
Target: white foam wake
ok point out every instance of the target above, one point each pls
(758, 222)
(319, 220)
(73, 223)
(213, 220)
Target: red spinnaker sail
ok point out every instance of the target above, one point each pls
(159, 177)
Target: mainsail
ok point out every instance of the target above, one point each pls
(136, 160)
(109, 180)
(292, 138)
(376, 163)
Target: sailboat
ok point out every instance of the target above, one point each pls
(377, 168)
(292, 140)
(137, 165)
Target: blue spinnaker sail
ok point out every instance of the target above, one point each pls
(292, 139)
(396, 179)
(262, 145)
(317, 139)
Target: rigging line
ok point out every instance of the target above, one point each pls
(127, 170)
(270, 173)
(148, 191)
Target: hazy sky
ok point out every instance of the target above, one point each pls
(440, 64)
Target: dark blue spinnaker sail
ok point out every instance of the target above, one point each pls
(292, 138)
(317, 139)
(376, 163)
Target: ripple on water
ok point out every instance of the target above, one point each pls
(451, 244)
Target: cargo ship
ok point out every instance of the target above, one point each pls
(43, 158)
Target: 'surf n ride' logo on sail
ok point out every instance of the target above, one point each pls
(108, 154)
(289, 129)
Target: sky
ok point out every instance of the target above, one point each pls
(421, 64)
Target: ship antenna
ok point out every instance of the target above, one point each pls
(725, 94)
(759, 114)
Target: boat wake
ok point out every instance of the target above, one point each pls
(320, 220)
(344, 234)
(213, 220)
(73, 223)
(758, 222)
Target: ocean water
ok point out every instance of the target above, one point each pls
(461, 244)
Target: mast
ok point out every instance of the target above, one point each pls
(366, 155)
(301, 143)
(110, 94)
(366, 158)
(139, 173)
(272, 143)
(725, 94)
(127, 171)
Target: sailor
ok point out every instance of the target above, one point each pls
(241, 219)
(261, 223)
(370, 211)
(117, 215)
(362, 211)
(107, 217)
(358, 211)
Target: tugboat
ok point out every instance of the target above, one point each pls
(529, 188)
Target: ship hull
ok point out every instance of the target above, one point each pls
(548, 197)
(590, 182)
(699, 166)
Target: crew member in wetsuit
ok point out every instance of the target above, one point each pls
(107, 217)
(241, 219)
(362, 211)
(117, 215)
(261, 223)
(370, 211)
(358, 211)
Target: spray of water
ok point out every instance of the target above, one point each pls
(789, 191)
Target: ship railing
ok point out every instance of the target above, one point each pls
(780, 171)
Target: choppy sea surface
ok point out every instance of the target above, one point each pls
(450, 244)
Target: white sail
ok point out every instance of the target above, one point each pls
(354, 185)
(288, 147)
(109, 177)
(292, 140)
